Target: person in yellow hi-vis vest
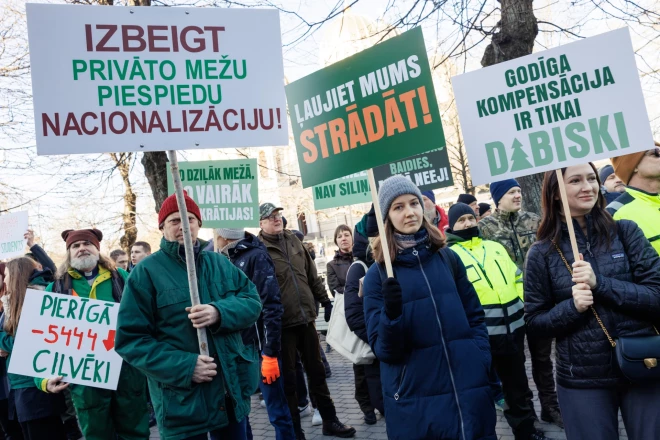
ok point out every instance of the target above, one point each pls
(498, 283)
(641, 201)
(103, 414)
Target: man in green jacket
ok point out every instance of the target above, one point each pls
(496, 278)
(103, 414)
(157, 333)
(641, 201)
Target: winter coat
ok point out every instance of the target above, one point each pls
(251, 256)
(155, 335)
(627, 299)
(611, 196)
(47, 274)
(354, 304)
(299, 283)
(337, 269)
(435, 358)
(641, 207)
(516, 231)
(495, 278)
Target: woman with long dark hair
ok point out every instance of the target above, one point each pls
(426, 326)
(38, 404)
(343, 259)
(610, 290)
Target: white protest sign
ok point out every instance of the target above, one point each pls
(63, 335)
(150, 79)
(12, 229)
(569, 105)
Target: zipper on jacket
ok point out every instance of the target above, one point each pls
(444, 344)
(502, 273)
(403, 373)
(516, 243)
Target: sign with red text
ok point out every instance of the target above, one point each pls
(569, 105)
(373, 108)
(113, 79)
(68, 336)
(12, 229)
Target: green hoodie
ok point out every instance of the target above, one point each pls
(155, 335)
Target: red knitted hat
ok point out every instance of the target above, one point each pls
(170, 206)
(71, 236)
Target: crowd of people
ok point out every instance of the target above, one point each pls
(471, 287)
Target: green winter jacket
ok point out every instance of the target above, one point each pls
(498, 283)
(641, 207)
(155, 335)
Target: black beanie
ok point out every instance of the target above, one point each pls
(467, 199)
(456, 211)
(484, 208)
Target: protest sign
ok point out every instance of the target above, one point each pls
(375, 107)
(346, 191)
(12, 229)
(226, 191)
(150, 79)
(428, 171)
(69, 336)
(569, 105)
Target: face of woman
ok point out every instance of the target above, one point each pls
(345, 241)
(581, 189)
(406, 214)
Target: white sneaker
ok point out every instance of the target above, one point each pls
(317, 419)
(262, 403)
(305, 411)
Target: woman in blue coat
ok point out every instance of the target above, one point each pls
(426, 326)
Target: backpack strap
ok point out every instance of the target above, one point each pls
(449, 257)
(63, 285)
(117, 286)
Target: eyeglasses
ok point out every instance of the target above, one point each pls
(653, 152)
(274, 217)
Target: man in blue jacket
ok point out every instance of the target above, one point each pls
(249, 254)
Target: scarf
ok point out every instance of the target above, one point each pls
(404, 242)
(467, 234)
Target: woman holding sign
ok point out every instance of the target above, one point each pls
(38, 412)
(426, 326)
(599, 305)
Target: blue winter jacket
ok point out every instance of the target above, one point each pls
(251, 256)
(435, 358)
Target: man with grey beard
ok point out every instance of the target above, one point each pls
(103, 414)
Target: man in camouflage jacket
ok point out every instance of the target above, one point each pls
(515, 229)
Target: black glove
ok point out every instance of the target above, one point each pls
(392, 298)
(327, 311)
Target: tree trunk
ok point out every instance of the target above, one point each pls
(517, 31)
(155, 169)
(123, 162)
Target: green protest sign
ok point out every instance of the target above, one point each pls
(346, 191)
(375, 107)
(428, 171)
(565, 106)
(225, 190)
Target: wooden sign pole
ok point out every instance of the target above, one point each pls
(567, 215)
(381, 225)
(188, 245)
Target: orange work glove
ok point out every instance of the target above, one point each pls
(270, 369)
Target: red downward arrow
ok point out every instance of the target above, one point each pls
(109, 343)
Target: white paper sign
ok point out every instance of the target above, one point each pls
(565, 106)
(63, 335)
(12, 229)
(112, 79)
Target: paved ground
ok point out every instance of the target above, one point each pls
(342, 389)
